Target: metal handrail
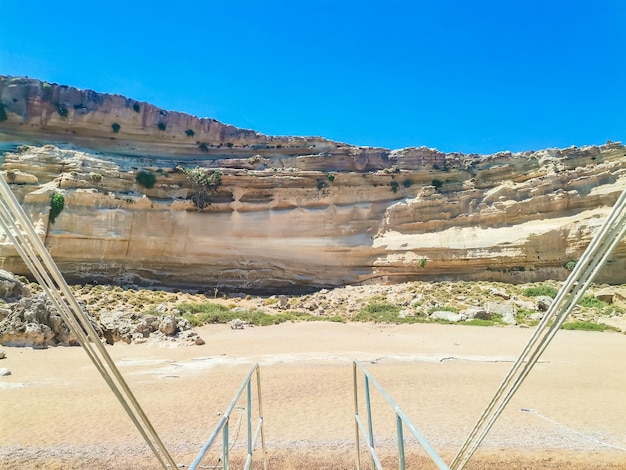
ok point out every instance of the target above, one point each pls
(401, 420)
(223, 425)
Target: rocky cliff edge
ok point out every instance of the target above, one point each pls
(151, 197)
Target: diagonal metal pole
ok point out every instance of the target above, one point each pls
(32, 250)
(592, 260)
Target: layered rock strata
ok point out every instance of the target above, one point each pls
(288, 212)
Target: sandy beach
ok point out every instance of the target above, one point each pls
(58, 413)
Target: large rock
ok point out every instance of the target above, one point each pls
(34, 322)
(11, 288)
(506, 311)
(544, 302)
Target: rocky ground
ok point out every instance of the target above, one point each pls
(136, 315)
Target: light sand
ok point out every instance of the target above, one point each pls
(57, 412)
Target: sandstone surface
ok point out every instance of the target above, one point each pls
(289, 213)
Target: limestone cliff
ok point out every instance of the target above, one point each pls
(287, 212)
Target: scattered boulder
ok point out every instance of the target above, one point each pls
(2, 354)
(283, 301)
(237, 324)
(543, 302)
(605, 295)
(499, 293)
(448, 316)
(477, 312)
(506, 311)
(167, 325)
(133, 328)
(4, 371)
(118, 326)
(525, 304)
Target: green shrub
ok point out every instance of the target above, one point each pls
(62, 110)
(437, 184)
(162, 126)
(136, 107)
(588, 326)
(407, 183)
(229, 145)
(200, 314)
(443, 308)
(422, 263)
(190, 132)
(331, 176)
(541, 290)
(116, 127)
(379, 312)
(145, 179)
(95, 177)
(205, 182)
(394, 186)
(57, 203)
(203, 146)
(570, 265)
(591, 302)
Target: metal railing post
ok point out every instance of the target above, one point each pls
(225, 444)
(370, 426)
(401, 420)
(356, 417)
(223, 426)
(261, 417)
(401, 460)
(249, 411)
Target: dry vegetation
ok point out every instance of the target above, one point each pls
(402, 303)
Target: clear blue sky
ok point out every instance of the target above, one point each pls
(469, 76)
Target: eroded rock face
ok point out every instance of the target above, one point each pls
(11, 288)
(290, 213)
(34, 322)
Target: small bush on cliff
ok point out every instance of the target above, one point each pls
(145, 179)
(205, 183)
(116, 127)
(136, 107)
(57, 203)
(570, 265)
(3, 113)
(190, 133)
(62, 110)
(331, 176)
(162, 126)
